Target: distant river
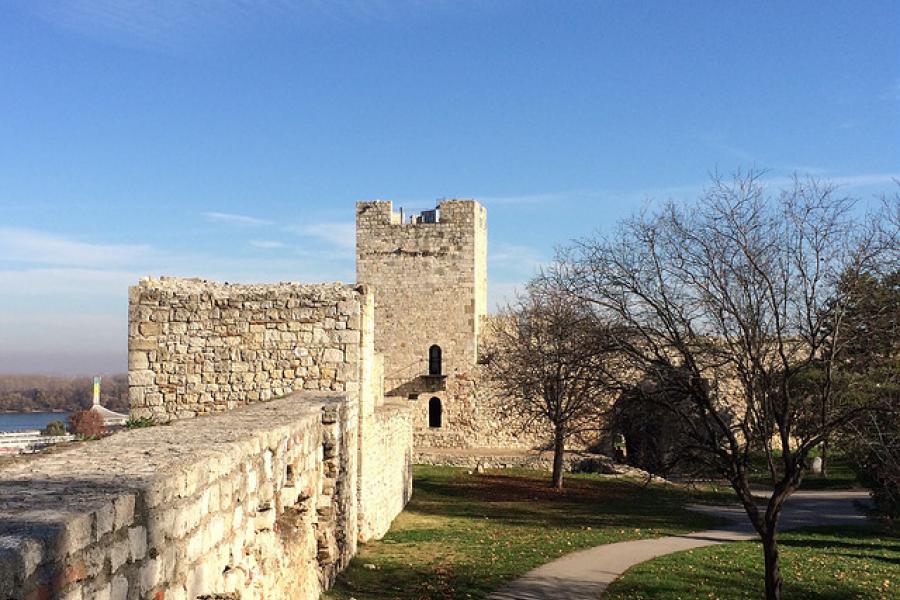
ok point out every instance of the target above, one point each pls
(34, 420)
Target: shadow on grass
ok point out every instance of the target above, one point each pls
(815, 561)
(884, 559)
(404, 582)
(670, 588)
(520, 500)
(834, 543)
(463, 536)
(841, 475)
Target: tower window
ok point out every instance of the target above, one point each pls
(434, 360)
(434, 412)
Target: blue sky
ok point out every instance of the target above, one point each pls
(231, 139)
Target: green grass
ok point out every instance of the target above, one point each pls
(840, 475)
(822, 563)
(462, 536)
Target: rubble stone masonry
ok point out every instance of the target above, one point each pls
(197, 346)
(429, 277)
(285, 419)
(430, 283)
(252, 504)
(293, 456)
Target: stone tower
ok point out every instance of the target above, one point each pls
(429, 273)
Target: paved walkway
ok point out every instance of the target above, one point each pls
(584, 575)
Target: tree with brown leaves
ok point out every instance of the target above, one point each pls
(87, 424)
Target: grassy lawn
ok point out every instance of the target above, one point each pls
(840, 475)
(462, 536)
(821, 563)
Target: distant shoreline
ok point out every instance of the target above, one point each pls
(25, 412)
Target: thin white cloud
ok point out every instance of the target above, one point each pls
(719, 142)
(342, 235)
(866, 180)
(165, 25)
(691, 190)
(511, 266)
(503, 293)
(37, 247)
(812, 170)
(845, 182)
(173, 26)
(51, 282)
(523, 199)
(515, 257)
(73, 332)
(266, 244)
(235, 219)
(64, 302)
(774, 182)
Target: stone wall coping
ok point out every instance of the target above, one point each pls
(53, 505)
(333, 290)
(389, 409)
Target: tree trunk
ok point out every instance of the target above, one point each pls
(825, 457)
(559, 448)
(774, 580)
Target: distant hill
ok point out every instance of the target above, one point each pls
(50, 393)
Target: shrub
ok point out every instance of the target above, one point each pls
(876, 457)
(54, 428)
(139, 423)
(87, 424)
(882, 476)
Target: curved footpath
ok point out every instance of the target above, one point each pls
(585, 574)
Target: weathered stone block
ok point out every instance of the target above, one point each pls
(137, 543)
(141, 378)
(151, 575)
(104, 520)
(150, 329)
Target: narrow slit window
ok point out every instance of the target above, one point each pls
(434, 360)
(435, 411)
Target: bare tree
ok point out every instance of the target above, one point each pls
(738, 294)
(542, 356)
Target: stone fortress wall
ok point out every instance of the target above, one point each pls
(429, 275)
(253, 504)
(425, 278)
(291, 412)
(197, 346)
(294, 456)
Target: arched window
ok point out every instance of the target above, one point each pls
(434, 360)
(434, 412)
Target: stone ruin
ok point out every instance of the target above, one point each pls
(287, 417)
(429, 275)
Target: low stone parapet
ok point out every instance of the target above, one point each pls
(259, 502)
(17, 442)
(504, 458)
